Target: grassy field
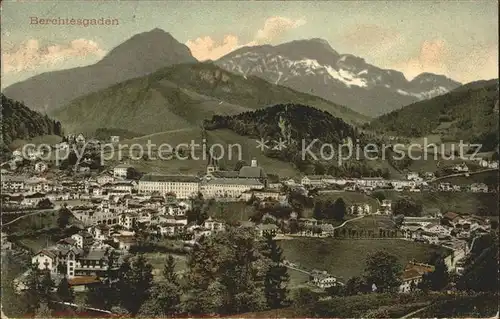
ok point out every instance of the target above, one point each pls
(489, 178)
(37, 243)
(350, 198)
(234, 146)
(157, 260)
(346, 258)
(297, 279)
(47, 219)
(459, 202)
(372, 222)
(38, 140)
(231, 211)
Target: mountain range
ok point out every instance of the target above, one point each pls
(181, 97)
(142, 54)
(468, 113)
(308, 66)
(20, 122)
(314, 67)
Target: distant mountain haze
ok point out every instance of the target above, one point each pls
(140, 55)
(314, 67)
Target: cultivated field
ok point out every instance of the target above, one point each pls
(346, 258)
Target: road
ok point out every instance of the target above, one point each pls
(464, 174)
(31, 214)
(347, 221)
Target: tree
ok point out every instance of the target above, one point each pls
(276, 278)
(407, 207)
(398, 220)
(339, 209)
(356, 285)
(45, 204)
(384, 270)
(135, 281)
(436, 280)
(239, 165)
(225, 274)
(106, 294)
(64, 291)
(481, 267)
(304, 297)
(380, 196)
(64, 217)
(165, 297)
(169, 270)
(43, 311)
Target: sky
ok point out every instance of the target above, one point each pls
(458, 39)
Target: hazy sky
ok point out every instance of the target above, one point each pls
(456, 38)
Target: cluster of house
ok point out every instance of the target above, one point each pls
(473, 188)
(441, 229)
(487, 163)
(365, 183)
(363, 209)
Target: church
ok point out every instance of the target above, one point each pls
(232, 184)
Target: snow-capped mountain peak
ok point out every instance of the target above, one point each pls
(313, 66)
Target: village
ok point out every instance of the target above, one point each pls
(109, 209)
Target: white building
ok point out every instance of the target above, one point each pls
(228, 187)
(122, 171)
(213, 225)
(183, 186)
(41, 167)
(412, 276)
(45, 259)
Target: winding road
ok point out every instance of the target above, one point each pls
(31, 214)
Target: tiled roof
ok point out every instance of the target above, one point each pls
(169, 178)
(251, 172)
(234, 181)
(83, 280)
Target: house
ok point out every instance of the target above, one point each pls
(105, 179)
(324, 280)
(460, 168)
(412, 176)
(412, 276)
(33, 199)
(82, 283)
(479, 188)
(431, 238)
(386, 206)
(6, 244)
(83, 239)
(13, 183)
(127, 220)
(445, 187)
(452, 218)
(267, 229)
(308, 222)
(360, 209)
(45, 259)
(124, 242)
(263, 194)
(41, 166)
(313, 180)
(123, 171)
(437, 229)
(213, 225)
(327, 230)
(80, 138)
(99, 231)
